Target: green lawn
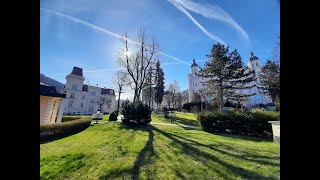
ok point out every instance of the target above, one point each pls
(181, 118)
(113, 151)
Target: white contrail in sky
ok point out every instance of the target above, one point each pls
(94, 27)
(182, 9)
(213, 12)
(90, 71)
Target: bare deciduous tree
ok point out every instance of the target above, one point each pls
(136, 58)
(276, 51)
(120, 80)
(167, 98)
(173, 89)
(103, 101)
(196, 97)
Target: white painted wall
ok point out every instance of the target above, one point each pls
(89, 101)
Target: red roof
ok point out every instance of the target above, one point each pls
(77, 71)
(107, 91)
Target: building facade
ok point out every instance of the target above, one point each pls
(86, 99)
(195, 83)
(51, 106)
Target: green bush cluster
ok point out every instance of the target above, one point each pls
(59, 130)
(69, 118)
(114, 115)
(136, 113)
(249, 123)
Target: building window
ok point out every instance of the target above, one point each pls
(72, 95)
(70, 103)
(196, 84)
(81, 104)
(83, 96)
(74, 87)
(257, 64)
(109, 106)
(91, 101)
(93, 93)
(90, 109)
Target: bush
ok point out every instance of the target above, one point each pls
(136, 113)
(239, 122)
(59, 130)
(69, 118)
(113, 116)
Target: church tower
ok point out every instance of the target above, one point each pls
(254, 64)
(193, 79)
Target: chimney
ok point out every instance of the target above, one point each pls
(77, 71)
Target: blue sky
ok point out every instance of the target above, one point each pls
(243, 25)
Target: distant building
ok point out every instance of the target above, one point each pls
(51, 107)
(195, 83)
(82, 98)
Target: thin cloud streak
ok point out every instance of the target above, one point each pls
(213, 12)
(182, 9)
(93, 71)
(97, 28)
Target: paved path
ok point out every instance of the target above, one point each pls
(165, 124)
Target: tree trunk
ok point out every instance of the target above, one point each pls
(150, 96)
(119, 101)
(221, 96)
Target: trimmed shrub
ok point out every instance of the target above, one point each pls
(69, 118)
(59, 130)
(113, 116)
(239, 122)
(136, 113)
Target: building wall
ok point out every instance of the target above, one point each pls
(49, 109)
(43, 106)
(84, 102)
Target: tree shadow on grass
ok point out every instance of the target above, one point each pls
(144, 157)
(54, 138)
(246, 156)
(244, 137)
(187, 121)
(202, 156)
(180, 122)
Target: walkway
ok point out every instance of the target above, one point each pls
(165, 124)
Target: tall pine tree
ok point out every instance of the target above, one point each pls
(226, 75)
(270, 80)
(159, 79)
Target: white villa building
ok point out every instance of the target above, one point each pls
(82, 98)
(253, 64)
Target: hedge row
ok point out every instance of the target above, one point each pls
(253, 123)
(69, 118)
(59, 130)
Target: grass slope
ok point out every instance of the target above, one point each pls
(181, 118)
(113, 151)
